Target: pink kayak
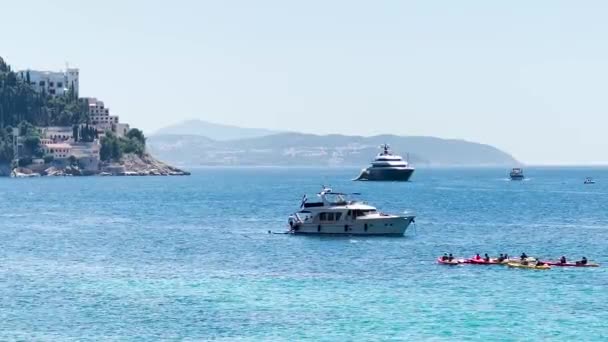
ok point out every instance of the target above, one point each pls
(483, 262)
(569, 264)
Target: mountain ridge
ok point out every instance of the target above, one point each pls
(215, 131)
(305, 149)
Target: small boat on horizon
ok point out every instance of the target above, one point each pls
(516, 174)
(589, 180)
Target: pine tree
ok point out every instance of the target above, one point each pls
(75, 132)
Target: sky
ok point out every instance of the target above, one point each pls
(529, 77)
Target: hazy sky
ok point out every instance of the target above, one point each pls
(529, 77)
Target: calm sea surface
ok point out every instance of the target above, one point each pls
(189, 258)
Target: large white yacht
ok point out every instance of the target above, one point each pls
(387, 167)
(335, 214)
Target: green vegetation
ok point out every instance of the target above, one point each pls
(6, 145)
(84, 133)
(113, 147)
(19, 102)
(21, 106)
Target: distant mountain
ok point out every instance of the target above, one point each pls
(213, 131)
(299, 149)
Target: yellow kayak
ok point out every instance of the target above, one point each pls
(534, 267)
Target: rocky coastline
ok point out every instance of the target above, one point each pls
(128, 165)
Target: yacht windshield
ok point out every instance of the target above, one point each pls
(335, 198)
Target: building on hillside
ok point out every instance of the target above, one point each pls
(87, 155)
(100, 115)
(101, 119)
(57, 133)
(57, 150)
(120, 129)
(52, 82)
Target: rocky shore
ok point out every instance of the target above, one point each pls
(129, 165)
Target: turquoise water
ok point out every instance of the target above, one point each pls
(189, 258)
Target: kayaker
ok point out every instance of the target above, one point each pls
(523, 256)
(450, 257)
(444, 257)
(562, 260)
(582, 262)
(477, 257)
(501, 258)
(539, 263)
(486, 258)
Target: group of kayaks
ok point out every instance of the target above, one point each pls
(525, 263)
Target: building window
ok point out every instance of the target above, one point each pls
(41, 83)
(59, 85)
(52, 91)
(51, 84)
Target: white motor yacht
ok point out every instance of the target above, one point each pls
(516, 174)
(387, 167)
(335, 214)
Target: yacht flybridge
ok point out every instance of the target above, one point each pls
(336, 214)
(387, 167)
(516, 174)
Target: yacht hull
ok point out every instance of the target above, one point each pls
(393, 226)
(386, 174)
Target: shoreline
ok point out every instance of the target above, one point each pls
(130, 165)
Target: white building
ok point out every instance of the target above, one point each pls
(58, 133)
(100, 115)
(58, 151)
(87, 155)
(121, 129)
(52, 82)
(101, 119)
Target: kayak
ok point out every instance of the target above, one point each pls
(569, 264)
(447, 262)
(533, 267)
(483, 262)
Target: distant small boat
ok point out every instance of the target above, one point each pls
(589, 180)
(516, 174)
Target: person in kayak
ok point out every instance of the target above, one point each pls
(582, 262)
(444, 257)
(562, 260)
(486, 258)
(477, 257)
(539, 263)
(523, 256)
(501, 258)
(450, 257)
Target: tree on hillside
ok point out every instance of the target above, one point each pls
(75, 131)
(19, 102)
(137, 134)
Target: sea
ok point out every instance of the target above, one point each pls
(192, 259)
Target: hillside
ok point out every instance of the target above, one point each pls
(213, 131)
(299, 149)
